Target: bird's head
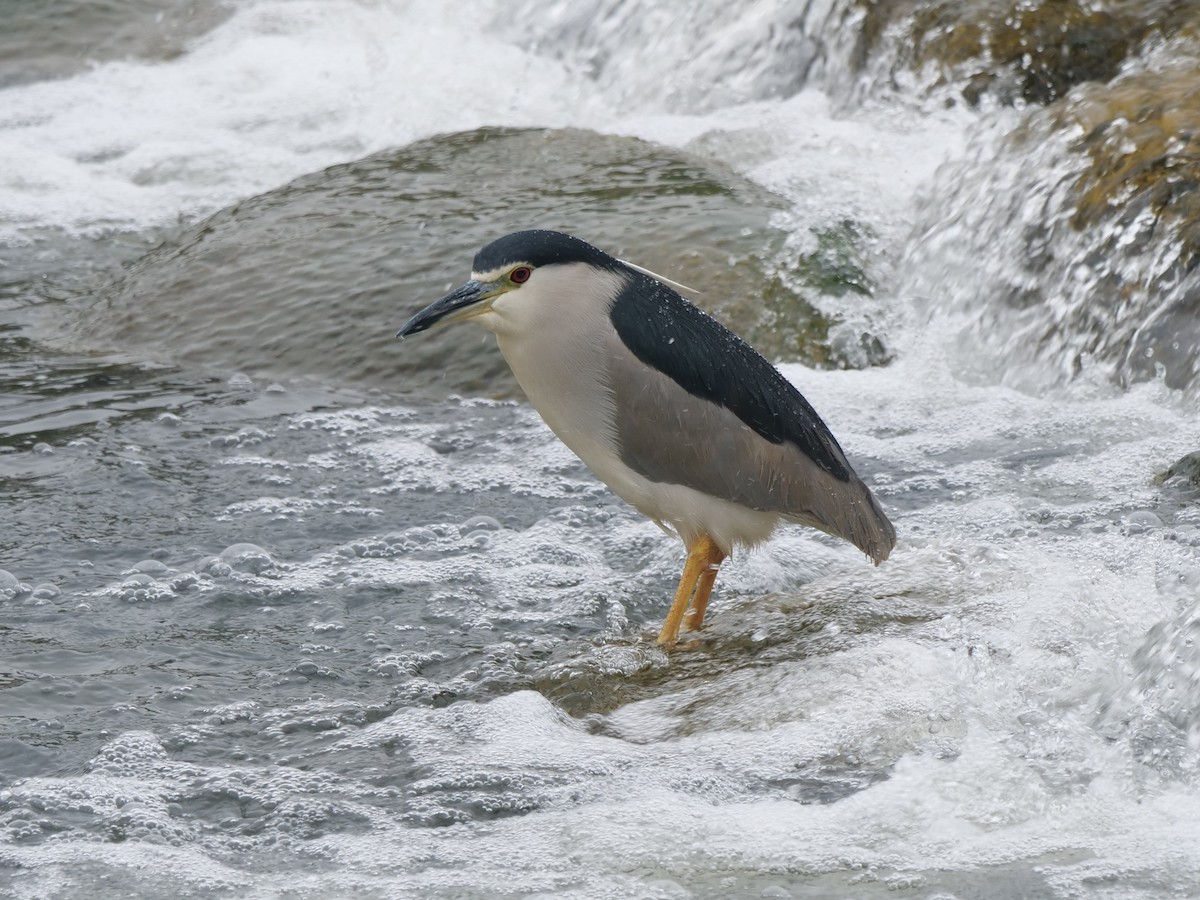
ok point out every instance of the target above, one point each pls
(513, 265)
(525, 269)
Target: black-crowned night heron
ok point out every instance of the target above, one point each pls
(678, 415)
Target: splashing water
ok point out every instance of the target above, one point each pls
(269, 635)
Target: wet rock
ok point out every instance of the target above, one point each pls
(1186, 468)
(1140, 193)
(405, 224)
(1081, 245)
(1011, 51)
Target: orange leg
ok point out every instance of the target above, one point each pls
(703, 560)
(704, 586)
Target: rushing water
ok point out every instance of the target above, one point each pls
(288, 608)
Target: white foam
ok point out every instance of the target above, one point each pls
(828, 165)
(958, 696)
(984, 675)
(278, 90)
(284, 89)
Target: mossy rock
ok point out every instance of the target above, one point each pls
(1012, 50)
(1087, 251)
(803, 329)
(1139, 194)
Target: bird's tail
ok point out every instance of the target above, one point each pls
(853, 513)
(875, 534)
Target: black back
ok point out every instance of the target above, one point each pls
(709, 361)
(701, 355)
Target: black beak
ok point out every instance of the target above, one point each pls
(456, 305)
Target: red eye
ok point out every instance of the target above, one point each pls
(520, 274)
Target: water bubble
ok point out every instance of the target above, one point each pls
(148, 567)
(418, 536)
(211, 565)
(42, 449)
(170, 420)
(143, 589)
(46, 591)
(131, 753)
(241, 382)
(9, 585)
(1141, 520)
(478, 540)
(245, 437)
(251, 437)
(395, 664)
(250, 559)
(367, 549)
(480, 523)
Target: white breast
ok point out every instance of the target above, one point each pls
(557, 337)
(552, 333)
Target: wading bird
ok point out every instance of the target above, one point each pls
(678, 415)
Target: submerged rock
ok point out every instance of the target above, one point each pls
(1186, 468)
(315, 277)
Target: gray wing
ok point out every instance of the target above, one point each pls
(667, 434)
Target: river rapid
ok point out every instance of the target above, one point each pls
(291, 609)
